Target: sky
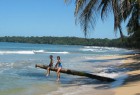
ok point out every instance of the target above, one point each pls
(47, 18)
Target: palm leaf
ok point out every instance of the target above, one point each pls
(105, 8)
(86, 18)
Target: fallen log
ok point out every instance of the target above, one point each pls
(79, 73)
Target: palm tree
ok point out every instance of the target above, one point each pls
(87, 11)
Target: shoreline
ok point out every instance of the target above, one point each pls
(129, 83)
(132, 82)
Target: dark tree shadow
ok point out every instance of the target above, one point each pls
(132, 67)
(104, 60)
(128, 67)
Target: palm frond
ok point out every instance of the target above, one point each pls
(123, 10)
(67, 1)
(86, 18)
(105, 8)
(134, 22)
(121, 33)
(79, 6)
(126, 9)
(117, 17)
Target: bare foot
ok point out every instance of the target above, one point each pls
(58, 79)
(47, 75)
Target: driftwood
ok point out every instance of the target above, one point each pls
(79, 73)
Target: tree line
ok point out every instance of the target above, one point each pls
(71, 41)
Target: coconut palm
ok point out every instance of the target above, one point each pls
(87, 11)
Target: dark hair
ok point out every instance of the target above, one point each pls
(51, 56)
(58, 57)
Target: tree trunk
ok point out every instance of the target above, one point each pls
(79, 73)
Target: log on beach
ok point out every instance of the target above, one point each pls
(79, 73)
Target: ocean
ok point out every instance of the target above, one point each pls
(18, 75)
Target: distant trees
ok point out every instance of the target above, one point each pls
(66, 41)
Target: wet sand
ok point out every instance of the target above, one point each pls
(131, 85)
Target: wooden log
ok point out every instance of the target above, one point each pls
(79, 73)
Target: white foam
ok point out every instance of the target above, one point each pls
(119, 80)
(64, 52)
(16, 52)
(110, 75)
(39, 51)
(6, 65)
(101, 48)
(31, 52)
(93, 50)
(119, 77)
(42, 51)
(88, 49)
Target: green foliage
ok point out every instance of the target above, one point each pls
(67, 41)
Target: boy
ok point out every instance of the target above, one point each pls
(50, 65)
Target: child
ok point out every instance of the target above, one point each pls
(50, 65)
(59, 67)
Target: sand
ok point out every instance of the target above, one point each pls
(131, 85)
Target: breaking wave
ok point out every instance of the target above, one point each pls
(16, 52)
(31, 52)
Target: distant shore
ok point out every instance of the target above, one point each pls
(102, 42)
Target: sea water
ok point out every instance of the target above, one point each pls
(18, 75)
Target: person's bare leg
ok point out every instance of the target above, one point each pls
(58, 74)
(48, 72)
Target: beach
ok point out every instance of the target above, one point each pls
(131, 85)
